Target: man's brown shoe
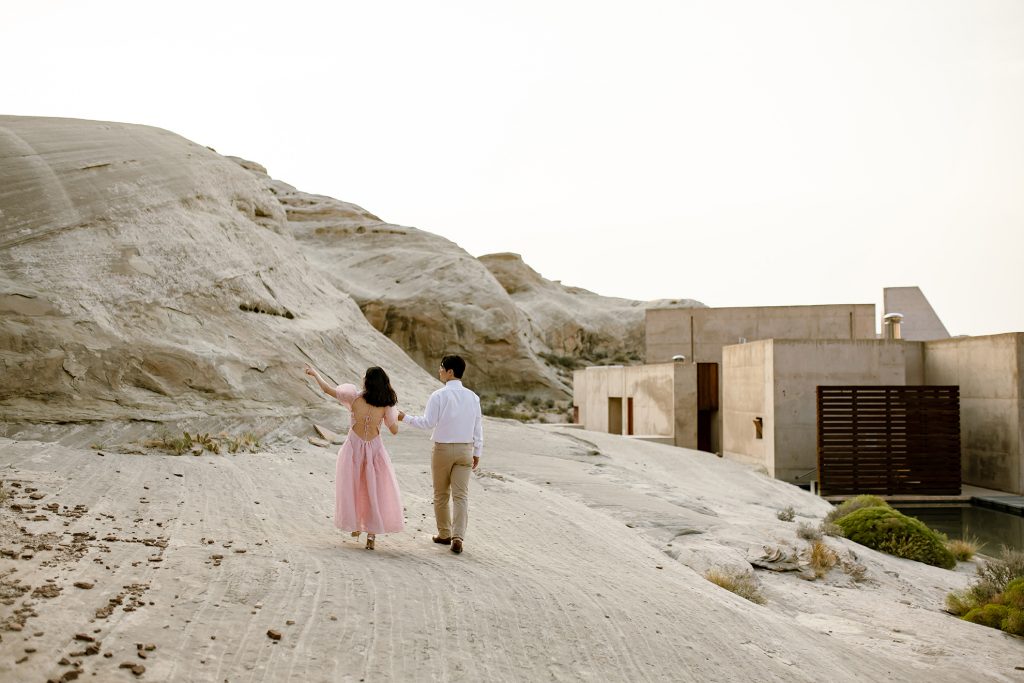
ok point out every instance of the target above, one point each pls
(456, 545)
(442, 541)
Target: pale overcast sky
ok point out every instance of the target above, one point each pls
(743, 152)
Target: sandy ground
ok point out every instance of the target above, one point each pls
(583, 561)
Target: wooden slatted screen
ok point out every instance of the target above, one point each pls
(889, 440)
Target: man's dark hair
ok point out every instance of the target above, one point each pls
(377, 389)
(455, 364)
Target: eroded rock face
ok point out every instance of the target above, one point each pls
(571, 322)
(424, 292)
(143, 276)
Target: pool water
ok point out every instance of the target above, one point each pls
(992, 528)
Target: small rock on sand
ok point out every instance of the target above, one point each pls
(274, 635)
(85, 585)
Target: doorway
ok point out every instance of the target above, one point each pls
(614, 415)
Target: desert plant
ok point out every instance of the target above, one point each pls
(808, 532)
(786, 514)
(890, 531)
(1013, 622)
(963, 549)
(166, 442)
(821, 558)
(958, 603)
(246, 442)
(855, 570)
(738, 582)
(852, 505)
(991, 615)
(1000, 572)
(831, 529)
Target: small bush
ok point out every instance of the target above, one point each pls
(890, 531)
(786, 514)
(855, 570)
(821, 558)
(808, 532)
(1013, 622)
(1013, 596)
(990, 615)
(740, 583)
(963, 549)
(247, 442)
(852, 505)
(996, 600)
(958, 603)
(831, 529)
(1000, 572)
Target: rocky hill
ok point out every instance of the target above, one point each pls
(143, 276)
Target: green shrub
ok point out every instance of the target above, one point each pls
(997, 574)
(890, 531)
(854, 504)
(990, 615)
(1013, 622)
(1013, 596)
(959, 603)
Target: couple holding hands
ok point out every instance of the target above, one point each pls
(367, 496)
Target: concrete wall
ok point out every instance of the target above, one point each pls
(652, 388)
(747, 380)
(988, 371)
(790, 372)
(920, 322)
(700, 333)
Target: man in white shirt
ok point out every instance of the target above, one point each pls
(453, 412)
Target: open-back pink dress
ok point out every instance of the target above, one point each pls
(367, 497)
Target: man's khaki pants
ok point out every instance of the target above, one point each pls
(450, 465)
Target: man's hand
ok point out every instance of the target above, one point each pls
(401, 416)
(476, 461)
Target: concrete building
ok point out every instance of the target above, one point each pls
(745, 380)
(700, 334)
(776, 381)
(644, 401)
(990, 373)
(769, 403)
(920, 322)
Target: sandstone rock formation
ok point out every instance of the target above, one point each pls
(143, 276)
(423, 291)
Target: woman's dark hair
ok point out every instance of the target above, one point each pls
(377, 389)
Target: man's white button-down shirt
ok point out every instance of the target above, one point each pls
(453, 412)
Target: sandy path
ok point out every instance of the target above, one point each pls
(553, 585)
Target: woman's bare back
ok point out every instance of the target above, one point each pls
(366, 419)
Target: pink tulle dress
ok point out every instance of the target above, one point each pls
(367, 497)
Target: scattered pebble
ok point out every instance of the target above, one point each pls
(85, 636)
(85, 585)
(274, 635)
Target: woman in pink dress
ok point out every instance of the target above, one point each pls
(367, 497)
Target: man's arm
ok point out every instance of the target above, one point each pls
(478, 437)
(429, 418)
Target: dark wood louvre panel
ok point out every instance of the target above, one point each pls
(889, 440)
